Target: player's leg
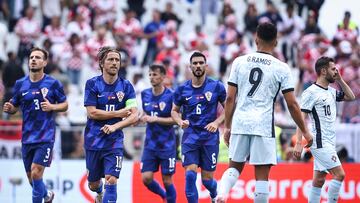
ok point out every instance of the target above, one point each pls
(149, 165)
(239, 150)
(94, 166)
(112, 160)
(190, 161)
(338, 175)
(42, 158)
(168, 166)
(263, 156)
(318, 182)
(208, 161)
(27, 153)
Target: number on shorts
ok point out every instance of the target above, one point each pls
(47, 156)
(172, 162)
(255, 78)
(213, 157)
(118, 162)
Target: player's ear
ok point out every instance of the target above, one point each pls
(275, 43)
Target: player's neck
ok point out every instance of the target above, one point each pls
(265, 49)
(36, 76)
(198, 81)
(157, 90)
(322, 82)
(110, 79)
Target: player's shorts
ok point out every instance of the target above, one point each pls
(38, 153)
(205, 156)
(151, 160)
(325, 158)
(262, 150)
(103, 162)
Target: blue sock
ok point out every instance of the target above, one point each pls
(100, 188)
(38, 191)
(190, 187)
(170, 193)
(211, 185)
(155, 188)
(110, 195)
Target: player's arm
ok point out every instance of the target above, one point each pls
(298, 145)
(164, 120)
(98, 114)
(295, 112)
(175, 114)
(348, 93)
(10, 108)
(59, 107)
(213, 126)
(229, 110)
(132, 119)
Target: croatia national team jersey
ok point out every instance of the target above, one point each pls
(320, 103)
(258, 78)
(108, 98)
(199, 106)
(38, 125)
(158, 136)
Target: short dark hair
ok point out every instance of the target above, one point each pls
(266, 32)
(103, 51)
(322, 62)
(161, 68)
(46, 54)
(197, 54)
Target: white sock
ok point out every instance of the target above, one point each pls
(228, 180)
(261, 192)
(314, 195)
(334, 189)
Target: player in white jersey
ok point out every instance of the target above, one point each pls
(319, 100)
(256, 80)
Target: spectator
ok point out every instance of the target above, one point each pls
(311, 25)
(271, 14)
(49, 9)
(56, 33)
(226, 11)
(125, 58)
(207, 6)
(169, 33)
(3, 43)
(14, 10)
(347, 29)
(105, 12)
(169, 14)
(235, 49)
(251, 22)
(137, 6)
(80, 27)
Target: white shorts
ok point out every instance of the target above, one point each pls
(325, 158)
(262, 150)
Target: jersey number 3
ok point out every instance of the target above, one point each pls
(255, 78)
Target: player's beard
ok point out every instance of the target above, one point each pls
(199, 74)
(329, 78)
(35, 70)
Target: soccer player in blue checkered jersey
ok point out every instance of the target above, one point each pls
(39, 96)
(160, 142)
(319, 101)
(111, 106)
(198, 98)
(254, 82)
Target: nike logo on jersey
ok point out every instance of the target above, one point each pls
(24, 93)
(146, 104)
(187, 98)
(99, 95)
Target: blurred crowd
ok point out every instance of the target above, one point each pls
(73, 31)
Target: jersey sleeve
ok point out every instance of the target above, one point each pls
(286, 81)
(15, 100)
(222, 92)
(233, 78)
(177, 97)
(130, 97)
(90, 94)
(60, 96)
(307, 102)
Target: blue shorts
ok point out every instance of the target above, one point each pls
(38, 153)
(151, 160)
(103, 162)
(205, 156)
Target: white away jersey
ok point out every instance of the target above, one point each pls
(258, 78)
(320, 103)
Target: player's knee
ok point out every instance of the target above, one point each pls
(167, 180)
(93, 186)
(146, 180)
(110, 180)
(318, 182)
(340, 176)
(36, 173)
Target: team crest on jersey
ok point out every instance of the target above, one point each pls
(44, 91)
(208, 95)
(162, 106)
(120, 95)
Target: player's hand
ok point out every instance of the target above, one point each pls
(212, 127)
(337, 75)
(298, 150)
(184, 124)
(8, 107)
(123, 113)
(226, 135)
(46, 105)
(148, 119)
(108, 129)
(309, 138)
